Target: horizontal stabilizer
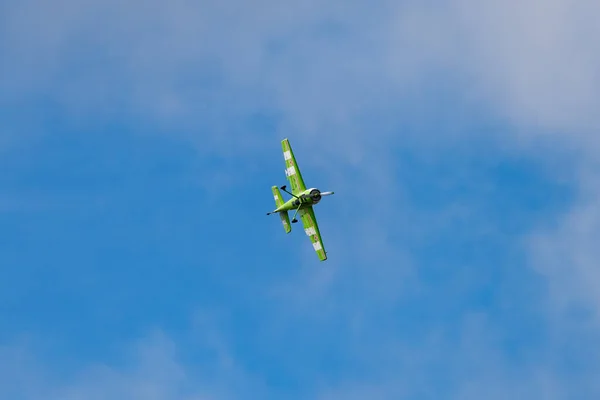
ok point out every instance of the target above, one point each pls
(277, 196)
(285, 218)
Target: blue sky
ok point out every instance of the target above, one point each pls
(138, 145)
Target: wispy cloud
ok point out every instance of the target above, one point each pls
(565, 252)
(153, 367)
(351, 83)
(463, 363)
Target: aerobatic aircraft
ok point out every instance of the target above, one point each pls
(302, 202)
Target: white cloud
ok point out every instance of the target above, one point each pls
(533, 62)
(566, 252)
(463, 362)
(536, 64)
(151, 368)
(329, 70)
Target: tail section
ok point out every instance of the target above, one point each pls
(285, 218)
(277, 195)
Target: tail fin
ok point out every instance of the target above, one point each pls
(285, 218)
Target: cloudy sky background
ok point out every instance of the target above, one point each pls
(138, 144)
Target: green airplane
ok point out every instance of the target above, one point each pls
(302, 202)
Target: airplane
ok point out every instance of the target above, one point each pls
(302, 202)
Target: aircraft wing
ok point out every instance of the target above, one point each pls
(311, 228)
(291, 168)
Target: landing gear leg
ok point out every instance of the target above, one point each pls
(294, 220)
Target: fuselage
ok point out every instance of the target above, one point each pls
(307, 198)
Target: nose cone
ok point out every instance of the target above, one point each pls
(315, 195)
